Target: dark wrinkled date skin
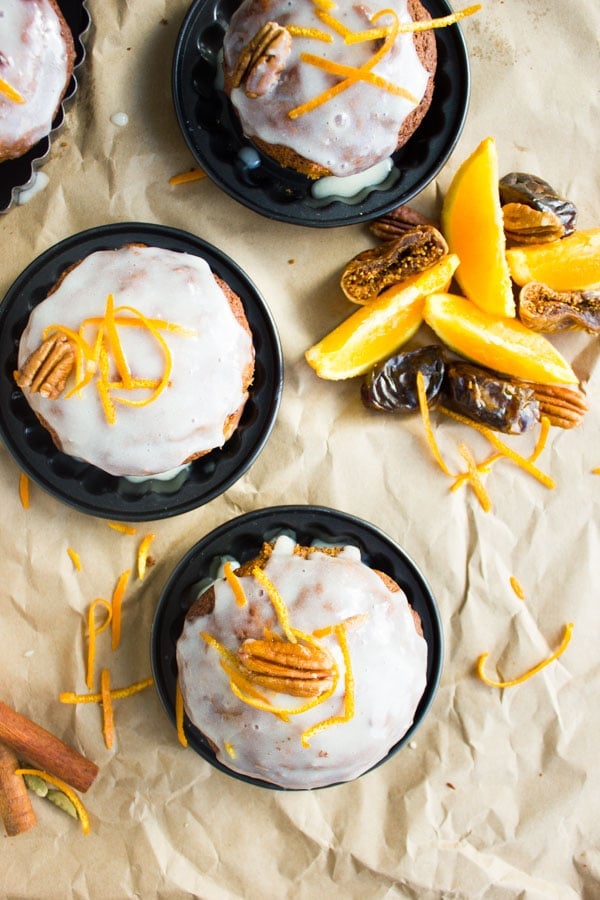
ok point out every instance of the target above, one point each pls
(392, 385)
(489, 399)
(521, 187)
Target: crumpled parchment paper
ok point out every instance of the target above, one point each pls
(497, 795)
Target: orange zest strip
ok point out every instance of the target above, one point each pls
(283, 711)
(324, 4)
(521, 461)
(353, 74)
(116, 605)
(103, 389)
(114, 342)
(340, 633)
(517, 587)
(484, 468)
(124, 529)
(424, 410)
(187, 177)
(93, 633)
(235, 584)
(164, 380)
(596, 471)
(10, 92)
(131, 322)
(373, 34)
(359, 72)
(230, 749)
(179, 715)
(74, 556)
(116, 694)
(68, 791)
(142, 554)
(327, 19)
(277, 602)
(24, 490)
(314, 33)
(542, 439)
(108, 721)
(474, 478)
(526, 675)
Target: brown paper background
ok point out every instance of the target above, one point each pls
(498, 796)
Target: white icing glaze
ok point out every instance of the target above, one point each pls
(39, 181)
(206, 380)
(33, 60)
(350, 185)
(357, 128)
(389, 661)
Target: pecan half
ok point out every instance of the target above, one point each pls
(301, 670)
(542, 309)
(46, 370)
(368, 273)
(261, 61)
(397, 222)
(525, 225)
(563, 406)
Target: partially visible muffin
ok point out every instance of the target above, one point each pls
(302, 667)
(276, 60)
(163, 351)
(37, 56)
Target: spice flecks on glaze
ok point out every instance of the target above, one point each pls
(357, 128)
(388, 656)
(206, 383)
(34, 61)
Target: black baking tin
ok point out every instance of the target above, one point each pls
(84, 486)
(242, 539)
(16, 174)
(213, 133)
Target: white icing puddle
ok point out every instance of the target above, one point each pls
(120, 119)
(38, 183)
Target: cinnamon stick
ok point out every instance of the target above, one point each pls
(16, 810)
(45, 751)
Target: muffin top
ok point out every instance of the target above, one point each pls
(182, 341)
(360, 636)
(36, 60)
(307, 93)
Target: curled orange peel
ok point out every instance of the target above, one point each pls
(530, 672)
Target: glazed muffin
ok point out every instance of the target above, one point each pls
(290, 71)
(37, 55)
(138, 361)
(303, 667)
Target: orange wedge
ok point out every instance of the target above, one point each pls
(473, 226)
(571, 264)
(505, 345)
(377, 330)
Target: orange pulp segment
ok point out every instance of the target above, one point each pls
(570, 264)
(473, 226)
(379, 328)
(505, 345)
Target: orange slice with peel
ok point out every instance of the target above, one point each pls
(473, 226)
(379, 328)
(505, 345)
(570, 264)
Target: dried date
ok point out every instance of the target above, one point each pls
(392, 385)
(490, 399)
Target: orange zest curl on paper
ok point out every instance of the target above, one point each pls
(187, 177)
(530, 672)
(116, 694)
(74, 557)
(108, 719)
(142, 554)
(24, 490)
